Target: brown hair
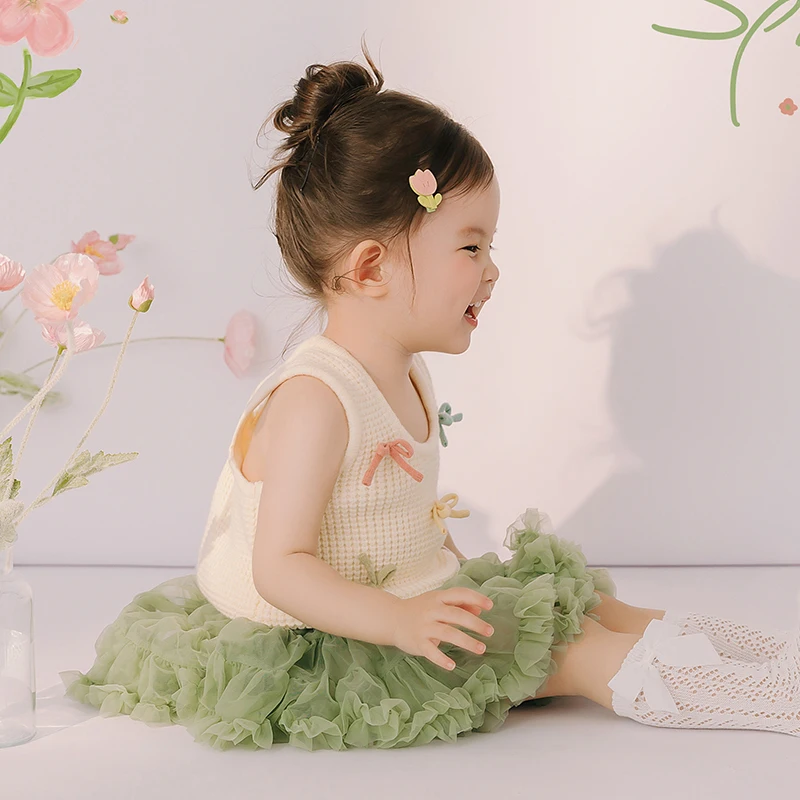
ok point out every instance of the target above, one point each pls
(355, 147)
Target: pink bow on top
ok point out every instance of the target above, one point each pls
(398, 449)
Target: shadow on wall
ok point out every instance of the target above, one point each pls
(704, 391)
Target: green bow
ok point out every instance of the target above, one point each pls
(447, 418)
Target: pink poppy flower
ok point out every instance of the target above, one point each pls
(86, 337)
(121, 240)
(43, 22)
(54, 292)
(11, 274)
(142, 298)
(240, 342)
(102, 252)
(787, 106)
(119, 16)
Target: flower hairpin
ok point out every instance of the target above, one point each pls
(424, 184)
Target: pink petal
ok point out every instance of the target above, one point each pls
(14, 21)
(11, 274)
(51, 32)
(110, 267)
(36, 294)
(86, 239)
(65, 5)
(86, 337)
(240, 342)
(104, 255)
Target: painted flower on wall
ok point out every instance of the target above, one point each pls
(48, 30)
(44, 23)
(119, 16)
(741, 27)
(787, 106)
(240, 342)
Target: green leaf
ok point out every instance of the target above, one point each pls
(21, 384)
(83, 465)
(114, 238)
(8, 91)
(6, 465)
(6, 458)
(51, 83)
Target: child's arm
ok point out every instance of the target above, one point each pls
(302, 433)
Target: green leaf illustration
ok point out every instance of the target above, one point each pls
(21, 384)
(51, 83)
(8, 91)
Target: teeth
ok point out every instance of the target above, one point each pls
(476, 306)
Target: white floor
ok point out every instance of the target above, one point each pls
(572, 745)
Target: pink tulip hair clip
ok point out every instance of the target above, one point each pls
(424, 184)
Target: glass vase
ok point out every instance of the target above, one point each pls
(17, 672)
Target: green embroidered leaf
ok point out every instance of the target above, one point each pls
(51, 83)
(21, 384)
(8, 91)
(379, 578)
(385, 573)
(83, 465)
(114, 238)
(367, 562)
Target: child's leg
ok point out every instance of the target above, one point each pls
(623, 618)
(732, 639)
(587, 664)
(667, 678)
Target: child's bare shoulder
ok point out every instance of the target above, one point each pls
(302, 416)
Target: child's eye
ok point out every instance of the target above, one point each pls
(469, 247)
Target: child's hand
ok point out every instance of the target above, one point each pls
(423, 622)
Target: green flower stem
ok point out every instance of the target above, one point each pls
(39, 400)
(16, 109)
(51, 381)
(42, 495)
(145, 339)
(11, 300)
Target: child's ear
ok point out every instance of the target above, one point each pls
(370, 268)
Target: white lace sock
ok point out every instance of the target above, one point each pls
(676, 680)
(732, 640)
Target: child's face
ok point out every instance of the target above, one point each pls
(452, 268)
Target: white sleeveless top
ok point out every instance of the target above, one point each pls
(384, 525)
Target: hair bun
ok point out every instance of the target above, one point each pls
(323, 89)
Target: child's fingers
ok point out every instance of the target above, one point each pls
(473, 608)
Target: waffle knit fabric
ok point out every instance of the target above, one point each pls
(383, 525)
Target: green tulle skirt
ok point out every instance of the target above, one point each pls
(171, 657)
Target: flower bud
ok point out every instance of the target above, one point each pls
(142, 298)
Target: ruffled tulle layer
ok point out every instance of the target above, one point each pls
(171, 657)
